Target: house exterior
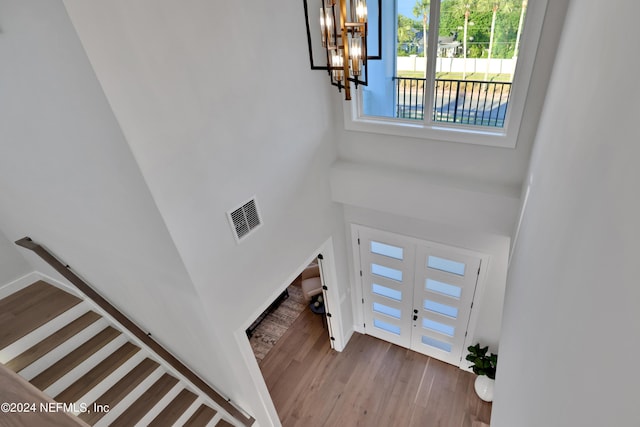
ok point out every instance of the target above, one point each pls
(129, 129)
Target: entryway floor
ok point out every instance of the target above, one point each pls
(371, 383)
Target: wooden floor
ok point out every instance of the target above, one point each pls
(371, 383)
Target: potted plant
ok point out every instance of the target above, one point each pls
(484, 366)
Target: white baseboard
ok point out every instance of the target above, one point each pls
(67, 287)
(33, 277)
(19, 283)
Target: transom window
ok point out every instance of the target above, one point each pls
(451, 70)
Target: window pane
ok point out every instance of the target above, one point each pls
(438, 327)
(476, 59)
(389, 273)
(403, 49)
(437, 344)
(386, 292)
(445, 310)
(386, 326)
(444, 288)
(446, 265)
(389, 311)
(386, 250)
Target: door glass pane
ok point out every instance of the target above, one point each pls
(386, 326)
(445, 310)
(386, 292)
(389, 273)
(438, 327)
(446, 265)
(437, 344)
(444, 288)
(386, 250)
(389, 311)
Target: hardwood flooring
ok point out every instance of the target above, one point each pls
(30, 308)
(371, 383)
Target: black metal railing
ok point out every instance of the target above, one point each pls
(480, 103)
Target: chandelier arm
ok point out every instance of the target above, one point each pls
(345, 48)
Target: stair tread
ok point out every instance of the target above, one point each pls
(21, 297)
(38, 350)
(115, 394)
(92, 378)
(73, 359)
(224, 423)
(30, 308)
(201, 417)
(148, 400)
(174, 409)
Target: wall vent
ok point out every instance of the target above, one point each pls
(244, 219)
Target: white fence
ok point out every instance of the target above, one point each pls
(457, 65)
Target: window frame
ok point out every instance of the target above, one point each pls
(507, 136)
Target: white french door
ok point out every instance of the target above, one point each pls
(417, 294)
(387, 270)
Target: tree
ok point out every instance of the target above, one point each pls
(517, 46)
(506, 31)
(466, 6)
(494, 5)
(454, 13)
(408, 30)
(421, 10)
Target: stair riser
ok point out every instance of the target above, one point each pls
(135, 394)
(97, 391)
(42, 332)
(84, 367)
(160, 405)
(61, 351)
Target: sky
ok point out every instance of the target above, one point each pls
(405, 7)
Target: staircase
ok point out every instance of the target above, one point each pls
(62, 346)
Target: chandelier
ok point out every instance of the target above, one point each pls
(343, 41)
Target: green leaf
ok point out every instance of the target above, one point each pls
(481, 363)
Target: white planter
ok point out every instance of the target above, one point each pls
(484, 388)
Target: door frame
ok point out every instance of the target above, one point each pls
(357, 292)
(329, 279)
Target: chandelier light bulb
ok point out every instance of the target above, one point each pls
(361, 11)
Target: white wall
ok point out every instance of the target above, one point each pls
(569, 346)
(70, 182)
(218, 104)
(459, 203)
(12, 264)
